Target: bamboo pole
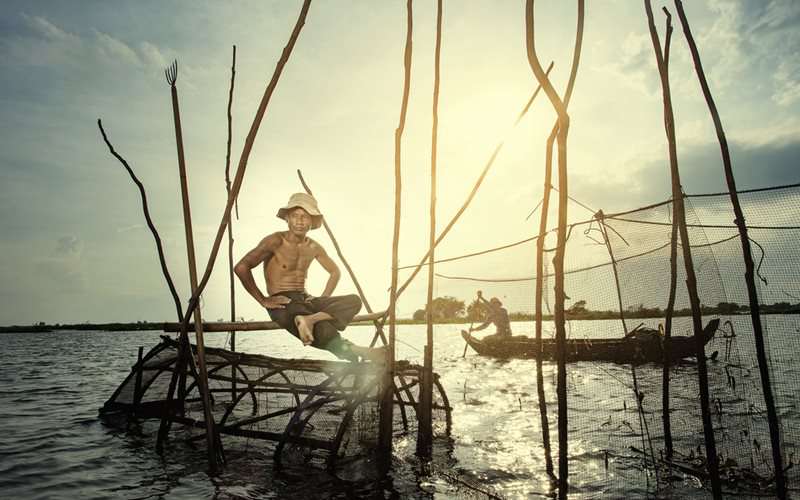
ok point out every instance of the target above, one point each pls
(137, 388)
(558, 262)
(545, 205)
(548, 173)
(474, 191)
(673, 283)
(377, 319)
(230, 222)
(184, 355)
(239, 176)
(248, 146)
(387, 410)
(251, 326)
(211, 438)
(691, 280)
(600, 216)
(376, 322)
(425, 429)
(747, 255)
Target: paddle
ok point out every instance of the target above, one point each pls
(465, 342)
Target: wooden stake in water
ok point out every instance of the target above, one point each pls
(561, 234)
(691, 279)
(747, 255)
(230, 222)
(202, 383)
(425, 429)
(387, 399)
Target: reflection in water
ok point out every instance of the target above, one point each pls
(53, 446)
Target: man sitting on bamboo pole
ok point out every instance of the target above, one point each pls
(286, 257)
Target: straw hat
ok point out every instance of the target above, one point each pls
(307, 203)
(495, 301)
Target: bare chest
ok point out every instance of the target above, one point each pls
(291, 257)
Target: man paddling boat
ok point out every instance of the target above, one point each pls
(495, 314)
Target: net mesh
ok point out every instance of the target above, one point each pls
(319, 412)
(607, 420)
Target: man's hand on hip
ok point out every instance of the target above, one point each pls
(275, 302)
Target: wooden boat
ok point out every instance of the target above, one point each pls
(642, 345)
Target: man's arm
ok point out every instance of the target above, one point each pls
(333, 271)
(482, 326)
(244, 270)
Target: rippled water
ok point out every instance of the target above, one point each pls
(52, 444)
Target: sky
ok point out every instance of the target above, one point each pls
(74, 244)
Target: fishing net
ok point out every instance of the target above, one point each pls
(617, 280)
(320, 413)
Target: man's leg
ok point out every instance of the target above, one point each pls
(340, 310)
(285, 317)
(305, 325)
(327, 337)
(334, 314)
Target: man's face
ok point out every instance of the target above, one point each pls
(299, 221)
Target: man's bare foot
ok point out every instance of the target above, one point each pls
(305, 328)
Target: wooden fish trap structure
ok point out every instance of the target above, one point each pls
(314, 411)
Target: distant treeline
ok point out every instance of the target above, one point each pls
(452, 313)
(109, 327)
(451, 310)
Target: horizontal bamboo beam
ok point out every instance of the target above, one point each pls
(244, 326)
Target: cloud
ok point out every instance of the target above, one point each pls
(49, 30)
(758, 36)
(787, 82)
(151, 55)
(63, 269)
(636, 66)
(114, 49)
(44, 42)
(133, 227)
(69, 245)
(774, 16)
(754, 165)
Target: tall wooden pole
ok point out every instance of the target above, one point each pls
(600, 216)
(425, 429)
(202, 383)
(538, 296)
(673, 284)
(561, 234)
(230, 223)
(691, 279)
(747, 255)
(387, 400)
(248, 147)
(545, 204)
(240, 170)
